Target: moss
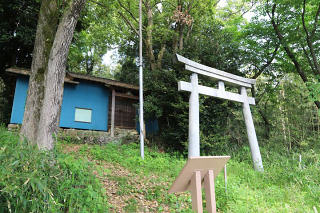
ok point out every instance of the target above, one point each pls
(40, 75)
(49, 23)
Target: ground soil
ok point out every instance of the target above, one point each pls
(109, 175)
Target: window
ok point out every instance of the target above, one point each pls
(83, 115)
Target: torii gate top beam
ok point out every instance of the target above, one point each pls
(196, 89)
(219, 75)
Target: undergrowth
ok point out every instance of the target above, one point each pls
(34, 181)
(39, 181)
(285, 186)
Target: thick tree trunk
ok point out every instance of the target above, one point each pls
(47, 25)
(50, 112)
(160, 56)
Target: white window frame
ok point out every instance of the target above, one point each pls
(82, 118)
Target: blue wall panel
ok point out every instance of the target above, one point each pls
(89, 96)
(19, 100)
(152, 127)
(84, 95)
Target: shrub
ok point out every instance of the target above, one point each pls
(40, 181)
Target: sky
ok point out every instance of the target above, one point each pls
(109, 58)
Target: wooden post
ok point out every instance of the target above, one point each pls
(194, 135)
(113, 106)
(196, 195)
(190, 179)
(225, 178)
(221, 85)
(222, 78)
(210, 194)
(252, 137)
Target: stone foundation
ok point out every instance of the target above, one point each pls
(91, 137)
(97, 137)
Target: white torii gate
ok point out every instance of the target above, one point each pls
(222, 78)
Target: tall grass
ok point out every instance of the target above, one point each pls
(39, 181)
(285, 186)
(34, 181)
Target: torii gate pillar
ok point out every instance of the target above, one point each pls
(222, 78)
(194, 128)
(251, 132)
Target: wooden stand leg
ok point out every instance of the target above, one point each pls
(210, 194)
(196, 195)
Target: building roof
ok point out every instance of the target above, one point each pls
(71, 78)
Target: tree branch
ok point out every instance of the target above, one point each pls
(315, 22)
(160, 56)
(309, 60)
(128, 23)
(267, 64)
(286, 48)
(308, 38)
(98, 3)
(128, 11)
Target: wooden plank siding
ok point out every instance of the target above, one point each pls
(125, 113)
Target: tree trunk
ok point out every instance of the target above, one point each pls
(160, 56)
(50, 53)
(47, 25)
(148, 41)
(54, 80)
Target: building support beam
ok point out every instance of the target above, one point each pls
(113, 109)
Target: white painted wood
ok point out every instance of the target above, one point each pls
(228, 80)
(194, 126)
(113, 109)
(300, 160)
(222, 78)
(253, 142)
(215, 71)
(221, 86)
(225, 178)
(185, 86)
(141, 121)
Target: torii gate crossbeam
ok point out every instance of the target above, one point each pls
(222, 78)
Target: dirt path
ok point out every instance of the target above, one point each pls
(126, 192)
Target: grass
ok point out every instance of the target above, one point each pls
(284, 186)
(33, 181)
(39, 181)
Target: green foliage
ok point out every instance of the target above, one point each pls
(39, 181)
(285, 186)
(286, 113)
(96, 33)
(128, 156)
(131, 205)
(158, 170)
(17, 33)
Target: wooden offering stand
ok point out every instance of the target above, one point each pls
(200, 170)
